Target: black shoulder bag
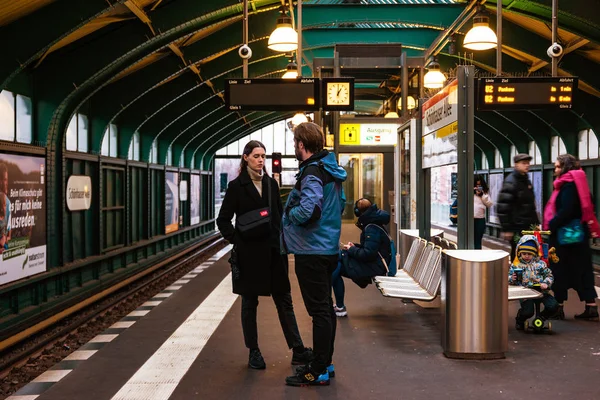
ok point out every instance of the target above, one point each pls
(256, 224)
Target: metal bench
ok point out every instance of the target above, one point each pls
(421, 282)
(420, 277)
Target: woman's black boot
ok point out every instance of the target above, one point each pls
(590, 313)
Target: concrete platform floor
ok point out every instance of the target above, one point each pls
(385, 349)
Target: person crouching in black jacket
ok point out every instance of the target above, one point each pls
(374, 244)
(516, 202)
(258, 267)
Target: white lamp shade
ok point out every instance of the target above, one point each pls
(298, 119)
(410, 101)
(291, 71)
(480, 37)
(391, 114)
(284, 38)
(290, 75)
(434, 79)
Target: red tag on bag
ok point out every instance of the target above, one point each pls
(264, 213)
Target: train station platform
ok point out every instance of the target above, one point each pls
(186, 343)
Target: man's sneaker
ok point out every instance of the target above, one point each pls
(520, 325)
(340, 312)
(559, 314)
(303, 358)
(590, 313)
(256, 360)
(331, 370)
(305, 377)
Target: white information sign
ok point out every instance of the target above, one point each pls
(440, 128)
(368, 134)
(79, 192)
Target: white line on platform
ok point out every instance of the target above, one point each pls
(151, 303)
(80, 355)
(122, 324)
(52, 375)
(103, 338)
(162, 295)
(23, 397)
(137, 313)
(160, 375)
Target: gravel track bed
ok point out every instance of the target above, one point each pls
(29, 369)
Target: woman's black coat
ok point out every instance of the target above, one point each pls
(263, 270)
(574, 269)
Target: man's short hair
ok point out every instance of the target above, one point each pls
(311, 135)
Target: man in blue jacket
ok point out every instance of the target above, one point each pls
(311, 228)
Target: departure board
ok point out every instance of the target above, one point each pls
(526, 93)
(300, 94)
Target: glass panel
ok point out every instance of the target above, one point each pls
(72, 134)
(351, 163)
(232, 149)
(405, 180)
(154, 157)
(104, 150)
(289, 139)
(593, 142)
(279, 137)
(222, 151)
(538, 156)
(112, 147)
(7, 115)
(561, 146)
(136, 146)
(513, 153)
(484, 161)
(267, 138)
(583, 145)
(170, 156)
(498, 162)
(554, 148)
(24, 119)
(256, 135)
(372, 178)
(130, 152)
(289, 163)
(82, 133)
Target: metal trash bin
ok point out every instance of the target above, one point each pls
(475, 304)
(407, 236)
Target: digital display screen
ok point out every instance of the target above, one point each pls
(526, 93)
(272, 94)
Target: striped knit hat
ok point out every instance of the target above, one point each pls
(528, 244)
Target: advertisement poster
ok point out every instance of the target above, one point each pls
(495, 185)
(440, 127)
(195, 200)
(171, 201)
(22, 217)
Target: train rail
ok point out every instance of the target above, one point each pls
(53, 333)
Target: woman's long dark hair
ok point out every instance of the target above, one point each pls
(567, 163)
(248, 148)
(484, 184)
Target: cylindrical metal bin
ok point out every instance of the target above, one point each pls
(407, 236)
(475, 304)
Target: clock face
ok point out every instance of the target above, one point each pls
(338, 93)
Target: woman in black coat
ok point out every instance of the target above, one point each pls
(263, 271)
(574, 268)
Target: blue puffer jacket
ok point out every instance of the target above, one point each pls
(373, 240)
(312, 219)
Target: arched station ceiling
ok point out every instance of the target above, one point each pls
(158, 66)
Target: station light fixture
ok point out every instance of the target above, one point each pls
(298, 119)
(284, 38)
(411, 103)
(391, 114)
(481, 36)
(434, 78)
(291, 71)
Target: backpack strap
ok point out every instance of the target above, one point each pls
(385, 264)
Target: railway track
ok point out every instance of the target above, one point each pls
(59, 334)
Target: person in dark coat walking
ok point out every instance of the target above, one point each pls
(263, 270)
(516, 203)
(571, 200)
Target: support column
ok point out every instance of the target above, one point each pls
(466, 119)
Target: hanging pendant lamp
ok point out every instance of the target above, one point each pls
(291, 71)
(434, 78)
(481, 36)
(284, 38)
(298, 119)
